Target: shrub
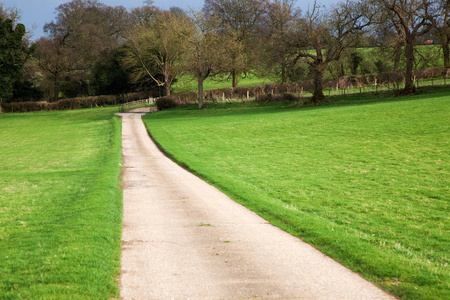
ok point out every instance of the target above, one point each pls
(165, 103)
(390, 78)
(433, 72)
(241, 92)
(271, 88)
(185, 98)
(257, 90)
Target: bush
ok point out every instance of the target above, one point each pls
(184, 98)
(433, 72)
(390, 78)
(165, 103)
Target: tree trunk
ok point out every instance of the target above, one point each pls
(234, 74)
(409, 84)
(318, 84)
(446, 51)
(166, 86)
(166, 80)
(284, 73)
(200, 91)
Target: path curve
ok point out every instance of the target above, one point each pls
(183, 239)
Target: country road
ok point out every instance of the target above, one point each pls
(183, 239)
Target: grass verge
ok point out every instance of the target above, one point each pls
(365, 179)
(60, 205)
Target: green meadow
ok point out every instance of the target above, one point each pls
(189, 83)
(60, 204)
(364, 179)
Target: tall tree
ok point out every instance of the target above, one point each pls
(13, 55)
(443, 27)
(385, 36)
(52, 56)
(239, 20)
(205, 55)
(88, 30)
(154, 48)
(278, 26)
(412, 19)
(321, 37)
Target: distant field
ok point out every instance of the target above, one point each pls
(189, 83)
(426, 57)
(365, 179)
(60, 205)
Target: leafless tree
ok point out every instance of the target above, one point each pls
(411, 19)
(53, 58)
(239, 20)
(279, 24)
(323, 35)
(443, 27)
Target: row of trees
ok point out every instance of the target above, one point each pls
(92, 48)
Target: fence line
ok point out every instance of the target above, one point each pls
(135, 104)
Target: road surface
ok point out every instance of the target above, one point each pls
(184, 239)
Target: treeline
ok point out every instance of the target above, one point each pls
(94, 49)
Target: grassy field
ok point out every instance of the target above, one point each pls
(364, 179)
(426, 57)
(60, 205)
(189, 83)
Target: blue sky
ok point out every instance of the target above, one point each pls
(35, 13)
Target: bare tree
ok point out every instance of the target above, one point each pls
(52, 57)
(11, 13)
(322, 36)
(239, 20)
(278, 26)
(389, 40)
(443, 27)
(411, 19)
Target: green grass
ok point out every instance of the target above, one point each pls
(60, 205)
(365, 179)
(189, 83)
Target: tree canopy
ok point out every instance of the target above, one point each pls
(13, 55)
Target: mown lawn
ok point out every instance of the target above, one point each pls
(365, 179)
(60, 205)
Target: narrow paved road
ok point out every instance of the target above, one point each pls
(183, 239)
